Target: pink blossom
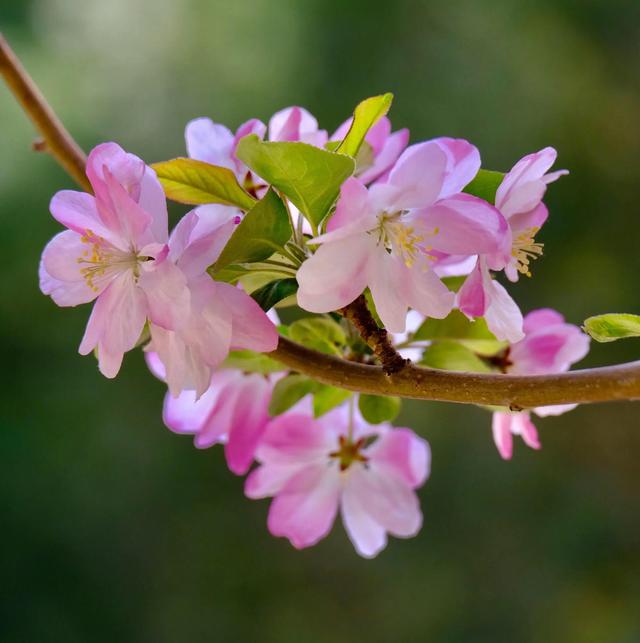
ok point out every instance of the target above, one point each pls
(221, 317)
(296, 124)
(385, 146)
(483, 296)
(313, 467)
(115, 252)
(388, 236)
(216, 144)
(232, 412)
(519, 198)
(550, 346)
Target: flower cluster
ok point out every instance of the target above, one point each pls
(287, 214)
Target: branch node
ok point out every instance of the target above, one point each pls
(39, 145)
(376, 338)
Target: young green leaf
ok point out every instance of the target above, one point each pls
(271, 294)
(485, 185)
(613, 326)
(378, 408)
(288, 391)
(452, 356)
(365, 116)
(320, 333)
(264, 230)
(251, 362)
(474, 335)
(326, 398)
(196, 183)
(311, 177)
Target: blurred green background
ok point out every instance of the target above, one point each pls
(114, 529)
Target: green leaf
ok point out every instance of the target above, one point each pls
(613, 326)
(311, 177)
(268, 296)
(196, 183)
(474, 335)
(264, 230)
(320, 333)
(326, 398)
(252, 362)
(454, 283)
(485, 185)
(452, 356)
(288, 391)
(365, 116)
(378, 408)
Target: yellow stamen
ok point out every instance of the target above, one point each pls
(348, 452)
(525, 249)
(102, 258)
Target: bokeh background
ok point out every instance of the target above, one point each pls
(114, 529)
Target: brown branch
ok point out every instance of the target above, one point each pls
(609, 383)
(358, 313)
(55, 138)
(620, 382)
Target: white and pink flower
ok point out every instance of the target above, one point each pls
(232, 411)
(550, 345)
(115, 252)
(315, 467)
(221, 317)
(389, 236)
(519, 199)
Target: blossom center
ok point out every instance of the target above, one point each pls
(101, 260)
(401, 238)
(525, 249)
(348, 452)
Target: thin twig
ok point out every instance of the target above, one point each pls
(621, 382)
(57, 141)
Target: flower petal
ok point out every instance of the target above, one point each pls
(386, 497)
(335, 275)
(524, 185)
(305, 508)
(60, 275)
(465, 225)
(472, 299)
(503, 316)
(427, 294)
(384, 159)
(368, 536)
(249, 423)
(405, 453)
(251, 328)
(523, 426)
(293, 439)
(168, 298)
(268, 479)
(127, 170)
(463, 163)
(77, 211)
(153, 201)
(200, 236)
(388, 278)
(419, 175)
(187, 414)
(353, 213)
(209, 142)
(502, 436)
